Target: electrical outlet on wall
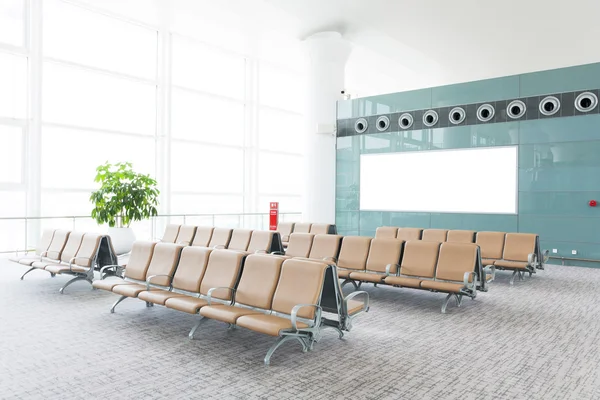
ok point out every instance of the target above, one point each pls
(574, 252)
(554, 251)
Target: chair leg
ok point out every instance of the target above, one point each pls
(347, 281)
(458, 299)
(28, 271)
(281, 340)
(77, 278)
(149, 304)
(191, 334)
(512, 278)
(445, 304)
(338, 330)
(112, 310)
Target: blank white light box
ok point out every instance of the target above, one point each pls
(482, 180)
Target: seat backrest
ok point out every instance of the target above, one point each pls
(88, 250)
(171, 232)
(419, 258)
(354, 252)
(325, 246)
(518, 246)
(223, 270)
(383, 252)
(186, 235)
(491, 244)
(202, 236)
(45, 241)
(454, 260)
(300, 282)
(220, 237)
(460, 236)
(240, 238)
(191, 267)
(407, 234)
(139, 260)
(386, 232)
(320, 229)
(302, 227)
(59, 240)
(299, 245)
(164, 261)
(71, 247)
(434, 235)
(285, 229)
(261, 241)
(259, 280)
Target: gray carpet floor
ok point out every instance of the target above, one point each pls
(536, 340)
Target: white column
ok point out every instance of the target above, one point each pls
(328, 53)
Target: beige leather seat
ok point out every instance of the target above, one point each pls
(240, 238)
(321, 229)
(52, 253)
(40, 249)
(353, 255)
(188, 275)
(302, 227)
(254, 293)
(299, 245)
(383, 260)
(186, 235)
(491, 245)
(460, 236)
(519, 254)
(418, 263)
(203, 236)
(407, 234)
(434, 235)
(171, 232)
(386, 232)
(261, 242)
(325, 248)
(135, 270)
(285, 229)
(222, 271)
(220, 238)
(69, 251)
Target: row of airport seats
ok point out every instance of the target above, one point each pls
(285, 229)
(247, 240)
(283, 298)
(69, 253)
(517, 252)
(450, 267)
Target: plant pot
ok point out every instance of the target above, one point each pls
(122, 239)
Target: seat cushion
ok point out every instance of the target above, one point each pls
(267, 324)
(402, 281)
(26, 260)
(186, 304)
(511, 264)
(42, 264)
(442, 286)
(225, 313)
(488, 261)
(354, 306)
(59, 269)
(157, 296)
(129, 290)
(109, 284)
(367, 277)
(344, 273)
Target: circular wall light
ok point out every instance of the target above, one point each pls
(457, 115)
(405, 121)
(430, 118)
(485, 112)
(586, 102)
(516, 109)
(361, 125)
(549, 105)
(382, 123)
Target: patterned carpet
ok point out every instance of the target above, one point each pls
(536, 340)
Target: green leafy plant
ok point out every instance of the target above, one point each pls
(124, 195)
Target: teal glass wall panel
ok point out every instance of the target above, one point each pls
(476, 222)
(567, 129)
(407, 220)
(561, 228)
(573, 204)
(570, 154)
(370, 221)
(501, 134)
(559, 179)
(347, 222)
(475, 92)
(560, 80)
(584, 250)
(379, 143)
(458, 137)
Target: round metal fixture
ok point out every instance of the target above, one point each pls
(405, 121)
(383, 123)
(361, 125)
(485, 112)
(516, 109)
(586, 102)
(549, 105)
(430, 118)
(457, 115)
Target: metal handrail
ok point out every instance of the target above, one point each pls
(574, 259)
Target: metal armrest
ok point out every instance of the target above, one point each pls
(490, 270)
(218, 246)
(107, 267)
(211, 290)
(353, 295)
(531, 259)
(184, 242)
(261, 252)
(466, 282)
(297, 307)
(148, 279)
(278, 253)
(72, 260)
(389, 267)
(332, 259)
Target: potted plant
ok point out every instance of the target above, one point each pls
(124, 196)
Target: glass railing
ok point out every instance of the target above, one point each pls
(19, 234)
